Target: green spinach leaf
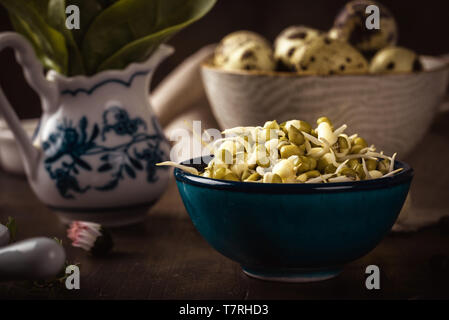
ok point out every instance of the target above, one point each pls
(57, 19)
(130, 30)
(89, 10)
(112, 34)
(49, 43)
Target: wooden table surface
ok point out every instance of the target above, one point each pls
(166, 258)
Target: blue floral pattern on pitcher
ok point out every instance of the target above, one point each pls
(66, 150)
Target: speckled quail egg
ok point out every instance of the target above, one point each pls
(251, 55)
(290, 40)
(350, 25)
(235, 40)
(325, 56)
(395, 59)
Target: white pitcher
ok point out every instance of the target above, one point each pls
(94, 152)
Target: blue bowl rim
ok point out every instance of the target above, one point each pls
(405, 176)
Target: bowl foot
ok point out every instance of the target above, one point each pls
(107, 217)
(293, 275)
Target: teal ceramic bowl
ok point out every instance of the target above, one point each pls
(293, 232)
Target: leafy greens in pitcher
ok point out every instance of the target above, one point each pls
(112, 34)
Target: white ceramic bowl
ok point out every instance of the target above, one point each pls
(391, 111)
(10, 160)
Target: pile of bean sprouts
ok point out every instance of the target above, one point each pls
(319, 155)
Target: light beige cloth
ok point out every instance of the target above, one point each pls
(428, 201)
(181, 99)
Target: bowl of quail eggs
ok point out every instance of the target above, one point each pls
(357, 76)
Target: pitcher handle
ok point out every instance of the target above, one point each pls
(33, 72)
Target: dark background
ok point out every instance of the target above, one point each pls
(423, 25)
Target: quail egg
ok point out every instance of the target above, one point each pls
(325, 56)
(350, 25)
(251, 55)
(395, 59)
(233, 41)
(290, 40)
